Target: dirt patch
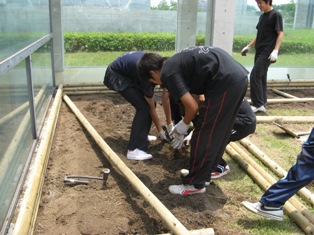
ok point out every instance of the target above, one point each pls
(116, 208)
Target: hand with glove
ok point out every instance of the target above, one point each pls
(245, 50)
(188, 138)
(273, 56)
(169, 129)
(163, 136)
(178, 133)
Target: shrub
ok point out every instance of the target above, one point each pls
(100, 41)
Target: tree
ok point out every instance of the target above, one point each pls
(163, 5)
(287, 11)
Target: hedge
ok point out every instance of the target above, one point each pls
(98, 41)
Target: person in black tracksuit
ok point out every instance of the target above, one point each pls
(244, 125)
(223, 81)
(267, 44)
(121, 76)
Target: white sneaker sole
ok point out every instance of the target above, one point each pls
(185, 172)
(252, 207)
(137, 158)
(220, 175)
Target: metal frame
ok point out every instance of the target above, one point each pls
(10, 62)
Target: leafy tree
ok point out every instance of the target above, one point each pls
(173, 5)
(287, 11)
(163, 5)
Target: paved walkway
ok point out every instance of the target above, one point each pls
(81, 75)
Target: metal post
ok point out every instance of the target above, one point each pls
(30, 89)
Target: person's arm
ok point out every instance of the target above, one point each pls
(279, 40)
(181, 129)
(248, 47)
(166, 106)
(252, 43)
(274, 55)
(153, 113)
(190, 107)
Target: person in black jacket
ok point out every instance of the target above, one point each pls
(189, 73)
(121, 76)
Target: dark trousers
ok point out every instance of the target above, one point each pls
(212, 131)
(142, 120)
(258, 80)
(299, 175)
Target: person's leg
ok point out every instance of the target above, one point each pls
(299, 175)
(257, 80)
(142, 119)
(264, 84)
(211, 134)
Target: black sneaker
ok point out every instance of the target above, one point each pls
(220, 171)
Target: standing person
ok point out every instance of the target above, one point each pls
(121, 76)
(267, 44)
(300, 174)
(223, 81)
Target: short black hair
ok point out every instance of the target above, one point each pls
(149, 61)
(266, 1)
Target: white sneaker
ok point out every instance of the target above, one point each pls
(259, 109)
(138, 155)
(267, 211)
(185, 190)
(151, 138)
(185, 172)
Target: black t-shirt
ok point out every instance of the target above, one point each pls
(125, 65)
(200, 70)
(268, 25)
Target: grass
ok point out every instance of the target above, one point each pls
(105, 58)
(238, 186)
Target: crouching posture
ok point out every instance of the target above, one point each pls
(223, 81)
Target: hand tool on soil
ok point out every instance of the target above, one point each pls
(290, 132)
(288, 76)
(73, 179)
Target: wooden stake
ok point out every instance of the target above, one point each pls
(284, 94)
(281, 119)
(169, 219)
(27, 213)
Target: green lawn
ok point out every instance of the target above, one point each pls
(104, 58)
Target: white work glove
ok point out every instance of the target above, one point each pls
(170, 129)
(245, 50)
(163, 136)
(188, 138)
(273, 56)
(178, 133)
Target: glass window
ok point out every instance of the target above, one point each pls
(16, 137)
(22, 23)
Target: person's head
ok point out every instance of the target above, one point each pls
(149, 67)
(264, 5)
(270, 2)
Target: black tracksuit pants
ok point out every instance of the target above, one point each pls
(212, 131)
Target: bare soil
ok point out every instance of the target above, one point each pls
(115, 207)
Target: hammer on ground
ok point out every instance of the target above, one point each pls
(73, 179)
